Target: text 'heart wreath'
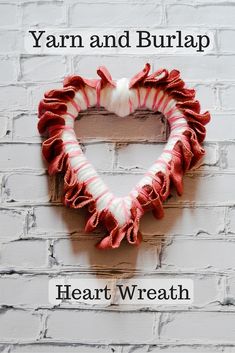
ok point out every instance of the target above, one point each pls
(161, 91)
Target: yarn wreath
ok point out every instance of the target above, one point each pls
(163, 92)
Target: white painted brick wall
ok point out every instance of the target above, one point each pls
(107, 327)
(40, 239)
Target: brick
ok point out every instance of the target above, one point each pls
(25, 127)
(2, 180)
(64, 348)
(11, 156)
(228, 156)
(100, 155)
(196, 254)
(221, 128)
(97, 327)
(229, 297)
(80, 252)
(206, 290)
(205, 68)
(205, 293)
(18, 325)
(226, 40)
(131, 156)
(211, 157)
(12, 223)
(32, 291)
(207, 15)
(103, 126)
(203, 189)
(24, 253)
(42, 68)
(11, 42)
(56, 220)
(41, 14)
(185, 221)
(8, 15)
(173, 348)
(199, 327)
(124, 14)
(227, 98)
(8, 70)
(3, 126)
(206, 94)
(27, 187)
(17, 96)
(231, 214)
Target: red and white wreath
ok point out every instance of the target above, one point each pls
(161, 91)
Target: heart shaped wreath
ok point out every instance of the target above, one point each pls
(161, 91)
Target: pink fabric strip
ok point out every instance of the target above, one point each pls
(177, 126)
(149, 174)
(152, 176)
(141, 191)
(102, 194)
(98, 89)
(171, 111)
(130, 106)
(125, 210)
(86, 99)
(75, 153)
(60, 127)
(177, 135)
(166, 104)
(160, 102)
(138, 96)
(75, 105)
(90, 180)
(109, 202)
(72, 142)
(71, 115)
(174, 118)
(81, 166)
(155, 99)
(146, 96)
(161, 161)
(136, 201)
(172, 152)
